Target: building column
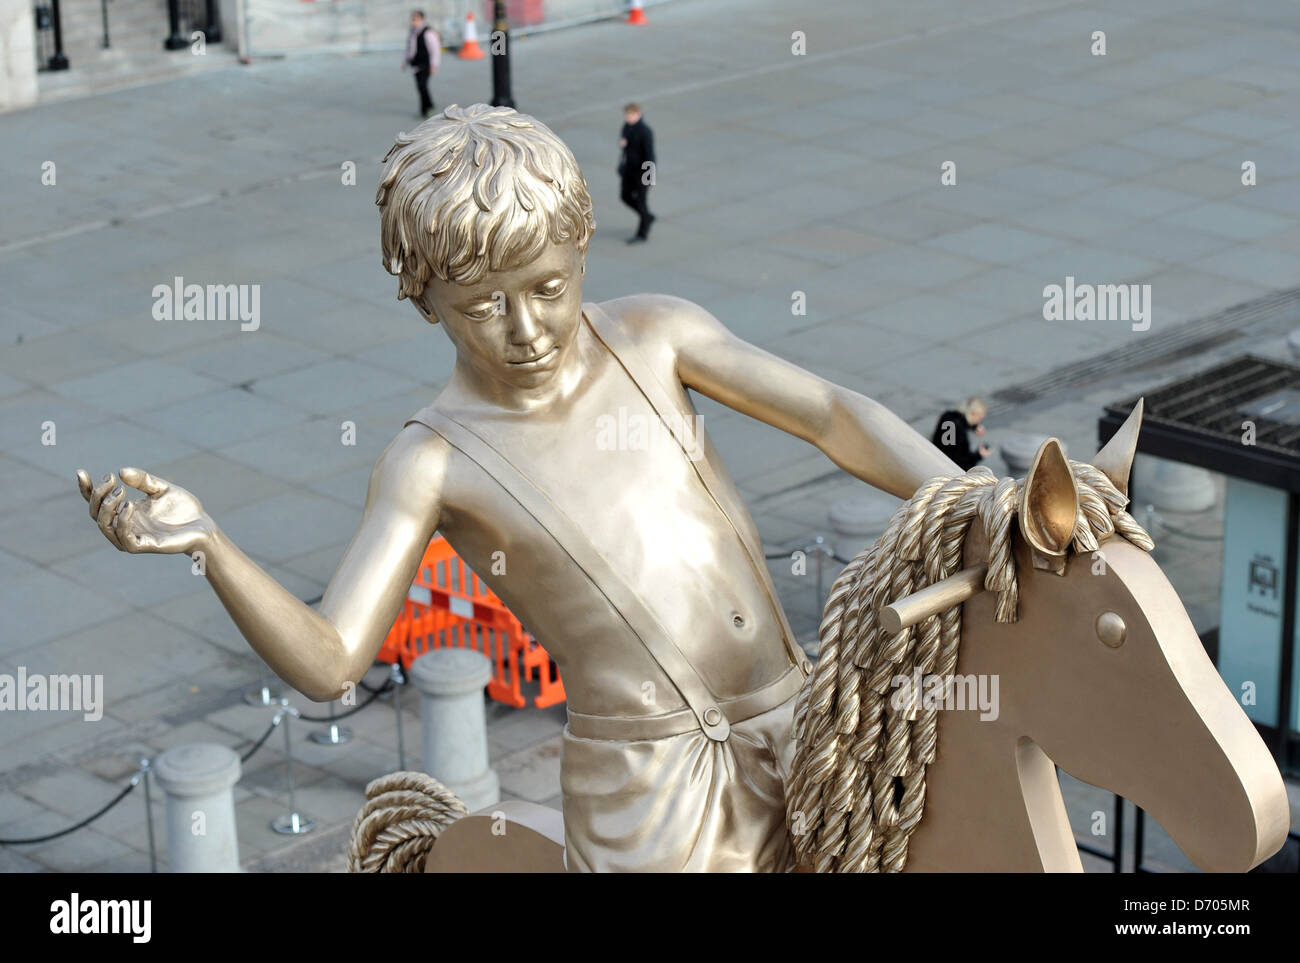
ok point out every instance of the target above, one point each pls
(17, 55)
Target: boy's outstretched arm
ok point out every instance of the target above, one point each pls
(316, 652)
(862, 436)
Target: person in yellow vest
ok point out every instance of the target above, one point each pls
(565, 463)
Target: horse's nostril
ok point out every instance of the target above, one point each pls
(1111, 629)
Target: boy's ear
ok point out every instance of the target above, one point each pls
(426, 311)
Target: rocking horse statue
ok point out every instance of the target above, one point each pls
(699, 736)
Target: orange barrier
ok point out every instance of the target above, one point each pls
(451, 606)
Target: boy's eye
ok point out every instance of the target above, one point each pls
(480, 313)
(552, 289)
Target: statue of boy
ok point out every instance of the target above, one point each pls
(628, 553)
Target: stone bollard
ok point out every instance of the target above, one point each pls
(451, 685)
(200, 808)
(1173, 486)
(860, 520)
(1018, 451)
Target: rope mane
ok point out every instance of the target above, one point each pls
(857, 788)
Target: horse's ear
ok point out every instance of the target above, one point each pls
(1049, 505)
(1115, 460)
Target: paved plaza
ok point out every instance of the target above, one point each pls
(813, 178)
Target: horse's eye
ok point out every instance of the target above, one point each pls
(1111, 629)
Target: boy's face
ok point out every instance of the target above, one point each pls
(515, 327)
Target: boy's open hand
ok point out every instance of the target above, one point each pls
(169, 521)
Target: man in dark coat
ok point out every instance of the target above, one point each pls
(423, 50)
(953, 431)
(637, 168)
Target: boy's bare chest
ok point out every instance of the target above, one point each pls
(610, 461)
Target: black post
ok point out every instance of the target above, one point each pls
(1139, 839)
(501, 96)
(1284, 693)
(212, 34)
(103, 10)
(1119, 834)
(58, 61)
(174, 41)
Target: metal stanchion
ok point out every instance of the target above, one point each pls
(292, 823)
(265, 695)
(333, 734)
(147, 769)
(819, 543)
(399, 679)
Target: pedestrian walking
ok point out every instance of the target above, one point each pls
(952, 434)
(423, 52)
(636, 168)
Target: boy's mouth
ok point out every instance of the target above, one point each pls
(538, 361)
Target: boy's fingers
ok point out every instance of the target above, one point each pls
(143, 481)
(107, 511)
(98, 492)
(83, 482)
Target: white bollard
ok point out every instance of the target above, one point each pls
(859, 520)
(1173, 486)
(1018, 451)
(451, 685)
(197, 780)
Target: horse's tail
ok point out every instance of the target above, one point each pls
(404, 814)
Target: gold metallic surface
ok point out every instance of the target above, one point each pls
(881, 784)
(635, 564)
(1111, 629)
(566, 464)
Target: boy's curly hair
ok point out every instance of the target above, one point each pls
(477, 189)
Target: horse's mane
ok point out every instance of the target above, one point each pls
(857, 785)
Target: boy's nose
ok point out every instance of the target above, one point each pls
(524, 329)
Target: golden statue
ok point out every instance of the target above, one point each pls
(629, 554)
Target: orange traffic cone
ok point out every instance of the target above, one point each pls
(469, 48)
(636, 16)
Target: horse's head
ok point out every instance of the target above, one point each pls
(1104, 671)
(1074, 648)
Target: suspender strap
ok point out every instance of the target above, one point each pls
(622, 597)
(670, 412)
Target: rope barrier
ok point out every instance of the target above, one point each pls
(258, 744)
(374, 694)
(135, 780)
(261, 740)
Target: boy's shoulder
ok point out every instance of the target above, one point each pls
(661, 319)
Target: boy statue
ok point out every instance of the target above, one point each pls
(635, 564)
